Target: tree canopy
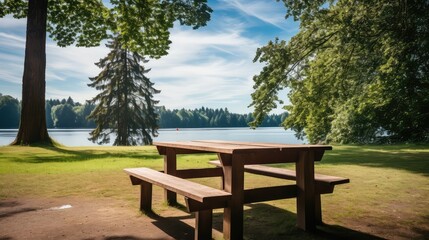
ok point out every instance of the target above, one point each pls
(9, 112)
(357, 71)
(143, 25)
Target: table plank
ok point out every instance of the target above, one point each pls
(270, 145)
(231, 147)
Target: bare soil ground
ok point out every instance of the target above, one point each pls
(109, 219)
(87, 219)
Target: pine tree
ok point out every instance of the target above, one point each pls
(125, 105)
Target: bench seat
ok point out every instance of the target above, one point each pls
(199, 198)
(323, 183)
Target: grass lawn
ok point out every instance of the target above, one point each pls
(387, 196)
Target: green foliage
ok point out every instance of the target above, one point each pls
(125, 104)
(63, 116)
(143, 25)
(17, 8)
(66, 113)
(175, 118)
(9, 112)
(82, 113)
(80, 22)
(357, 71)
(206, 118)
(48, 115)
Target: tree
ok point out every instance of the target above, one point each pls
(125, 105)
(64, 116)
(70, 101)
(356, 70)
(143, 25)
(9, 112)
(82, 113)
(48, 110)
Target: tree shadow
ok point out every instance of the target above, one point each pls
(6, 204)
(412, 158)
(83, 155)
(265, 221)
(6, 238)
(423, 231)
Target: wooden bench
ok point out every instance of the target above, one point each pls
(323, 183)
(199, 198)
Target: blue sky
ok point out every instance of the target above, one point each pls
(211, 67)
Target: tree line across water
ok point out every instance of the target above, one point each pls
(67, 113)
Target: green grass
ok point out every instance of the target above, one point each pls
(387, 196)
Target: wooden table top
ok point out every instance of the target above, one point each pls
(232, 147)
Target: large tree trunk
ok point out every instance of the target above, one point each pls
(32, 128)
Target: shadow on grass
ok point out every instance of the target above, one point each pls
(423, 231)
(413, 158)
(55, 154)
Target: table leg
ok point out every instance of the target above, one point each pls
(233, 168)
(170, 167)
(306, 191)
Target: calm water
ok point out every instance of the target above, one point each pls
(79, 137)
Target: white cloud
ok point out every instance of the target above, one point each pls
(8, 22)
(81, 96)
(11, 60)
(270, 12)
(205, 67)
(12, 40)
(77, 61)
(68, 70)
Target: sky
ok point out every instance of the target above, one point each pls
(211, 66)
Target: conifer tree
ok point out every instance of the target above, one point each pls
(125, 105)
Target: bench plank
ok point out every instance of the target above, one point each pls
(290, 175)
(181, 186)
(199, 173)
(270, 193)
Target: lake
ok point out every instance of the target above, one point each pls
(79, 137)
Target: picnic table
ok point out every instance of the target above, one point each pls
(233, 157)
